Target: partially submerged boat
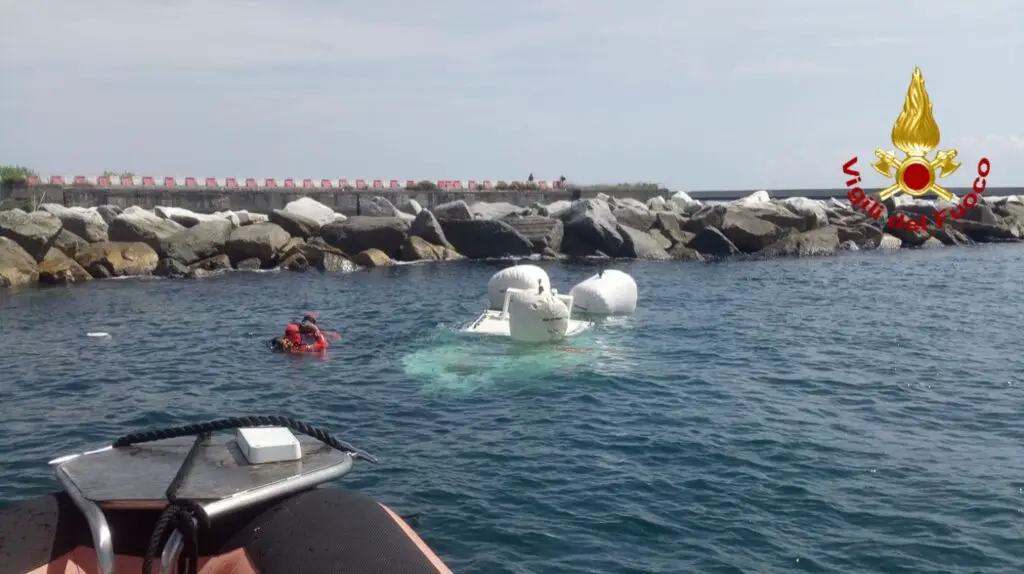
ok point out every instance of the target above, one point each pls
(523, 306)
(189, 501)
(499, 321)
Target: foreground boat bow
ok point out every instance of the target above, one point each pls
(187, 497)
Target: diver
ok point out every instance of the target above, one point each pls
(309, 326)
(292, 341)
(319, 343)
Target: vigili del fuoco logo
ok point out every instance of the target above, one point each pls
(916, 134)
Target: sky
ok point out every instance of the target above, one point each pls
(694, 95)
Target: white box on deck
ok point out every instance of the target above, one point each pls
(268, 444)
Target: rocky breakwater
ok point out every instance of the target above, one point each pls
(59, 245)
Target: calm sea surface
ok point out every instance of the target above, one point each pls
(857, 414)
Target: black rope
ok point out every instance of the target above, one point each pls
(181, 515)
(185, 515)
(242, 422)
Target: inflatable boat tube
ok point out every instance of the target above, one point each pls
(314, 532)
(518, 277)
(610, 292)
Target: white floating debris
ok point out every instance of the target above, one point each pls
(97, 334)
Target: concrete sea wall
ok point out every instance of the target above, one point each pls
(270, 194)
(209, 200)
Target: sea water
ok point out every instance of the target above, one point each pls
(852, 414)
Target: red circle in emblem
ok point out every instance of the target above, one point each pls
(916, 176)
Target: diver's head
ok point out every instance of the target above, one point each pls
(310, 317)
(291, 332)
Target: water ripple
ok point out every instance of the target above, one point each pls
(854, 414)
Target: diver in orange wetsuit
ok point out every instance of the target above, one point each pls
(292, 341)
(294, 333)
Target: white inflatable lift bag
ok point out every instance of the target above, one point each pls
(517, 277)
(610, 292)
(537, 317)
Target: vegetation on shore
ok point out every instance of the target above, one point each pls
(12, 174)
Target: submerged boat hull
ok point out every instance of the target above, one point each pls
(494, 322)
(312, 532)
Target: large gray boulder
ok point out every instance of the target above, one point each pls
(905, 227)
(410, 206)
(295, 224)
(34, 232)
(319, 255)
(948, 235)
(592, 223)
(750, 229)
(359, 233)
(85, 223)
(485, 238)
(109, 212)
(418, 249)
(1006, 230)
(544, 233)
(813, 243)
(813, 212)
(261, 241)
(713, 243)
(982, 213)
(185, 217)
(496, 210)
(426, 227)
(748, 232)
(636, 217)
(554, 209)
(117, 259)
(138, 225)
(201, 241)
(69, 243)
(245, 217)
(864, 235)
(377, 206)
(312, 209)
(457, 209)
(640, 244)
(17, 267)
(59, 269)
(670, 225)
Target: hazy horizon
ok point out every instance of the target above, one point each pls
(733, 94)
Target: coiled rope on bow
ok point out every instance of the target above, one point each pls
(182, 515)
(231, 423)
(188, 516)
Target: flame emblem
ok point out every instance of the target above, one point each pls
(916, 134)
